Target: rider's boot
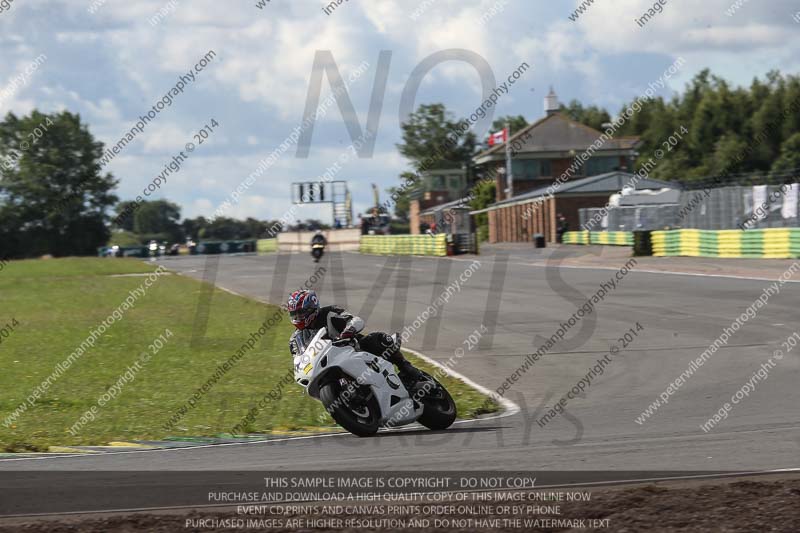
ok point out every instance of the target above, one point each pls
(408, 373)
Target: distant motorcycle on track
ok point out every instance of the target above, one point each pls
(362, 392)
(316, 251)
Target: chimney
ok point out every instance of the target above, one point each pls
(551, 103)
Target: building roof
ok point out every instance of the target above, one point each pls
(655, 197)
(462, 203)
(556, 133)
(609, 183)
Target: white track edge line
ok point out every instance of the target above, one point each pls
(510, 407)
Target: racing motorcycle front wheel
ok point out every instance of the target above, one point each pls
(352, 406)
(439, 408)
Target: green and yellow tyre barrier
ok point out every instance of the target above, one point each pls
(617, 238)
(404, 244)
(772, 243)
(613, 238)
(265, 246)
(575, 237)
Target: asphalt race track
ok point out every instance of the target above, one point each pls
(519, 294)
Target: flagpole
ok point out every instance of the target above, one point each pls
(508, 162)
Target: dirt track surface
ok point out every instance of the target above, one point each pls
(725, 505)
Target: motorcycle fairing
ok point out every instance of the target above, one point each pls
(321, 357)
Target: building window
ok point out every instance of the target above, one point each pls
(580, 169)
(530, 169)
(601, 165)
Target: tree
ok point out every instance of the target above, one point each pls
(725, 156)
(432, 138)
(768, 122)
(158, 219)
(124, 222)
(483, 195)
(53, 197)
(315, 224)
(727, 130)
(517, 123)
(124, 238)
(224, 229)
(191, 227)
(591, 116)
(789, 159)
(254, 229)
(273, 228)
(402, 201)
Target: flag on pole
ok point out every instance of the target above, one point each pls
(498, 138)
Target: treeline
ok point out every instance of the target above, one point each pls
(760, 122)
(732, 131)
(55, 199)
(160, 220)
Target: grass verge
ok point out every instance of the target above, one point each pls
(110, 391)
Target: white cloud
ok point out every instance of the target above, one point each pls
(164, 138)
(680, 29)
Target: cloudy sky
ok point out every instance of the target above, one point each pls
(113, 64)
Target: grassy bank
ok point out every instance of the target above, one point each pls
(110, 392)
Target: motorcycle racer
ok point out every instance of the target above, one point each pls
(319, 238)
(308, 317)
(318, 244)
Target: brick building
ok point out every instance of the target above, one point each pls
(518, 218)
(546, 149)
(543, 152)
(437, 187)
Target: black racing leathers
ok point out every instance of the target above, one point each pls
(336, 320)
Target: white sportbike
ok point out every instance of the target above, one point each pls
(362, 392)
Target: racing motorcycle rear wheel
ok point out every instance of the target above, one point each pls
(352, 406)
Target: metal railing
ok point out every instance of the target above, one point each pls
(733, 207)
